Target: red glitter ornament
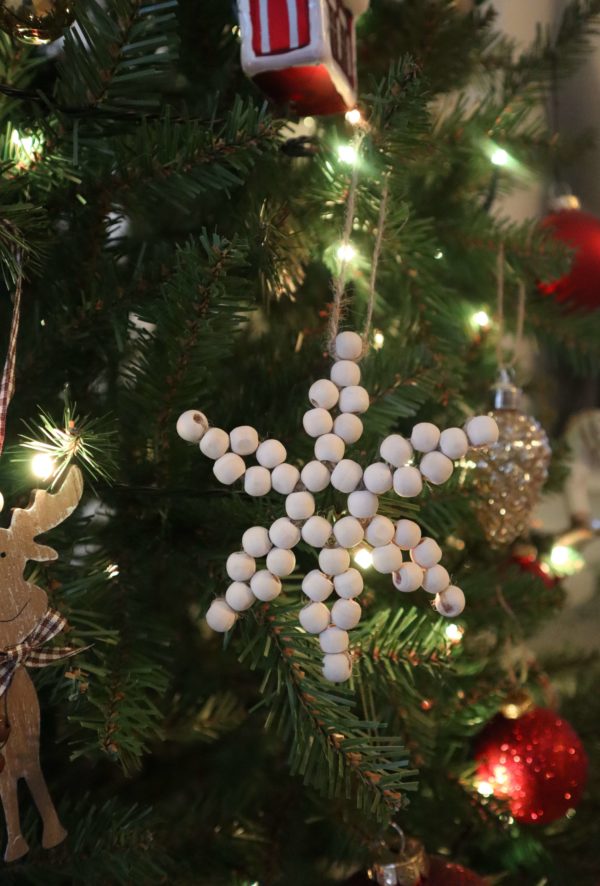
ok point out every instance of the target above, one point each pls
(581, 285)
(446, 873)
(536, 763)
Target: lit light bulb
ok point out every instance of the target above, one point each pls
(566, 560)
(353, 117)
(438, 255)
(454, 632)
(25, 147)
(378, 340)
(363, 558)
(347, 154)
(484, 788)
(346, 252)
(42, 465)
(112, 570)
(500, 157)
(1, 501)
(481, 319)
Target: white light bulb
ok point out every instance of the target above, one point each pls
(363, 558)
(378, 340)
(353, 117)
(484, 788)
(347, 154)
(500, 157)
(438, 255)
(112, 570)
(42, 465)
(454, 632)
(481, 319)
(346, 252)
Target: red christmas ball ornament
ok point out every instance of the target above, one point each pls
(581, 231)
(446, 873)
(535, 762)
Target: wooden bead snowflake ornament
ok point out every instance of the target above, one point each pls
(334, 422)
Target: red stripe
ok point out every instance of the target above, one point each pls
(278, 26)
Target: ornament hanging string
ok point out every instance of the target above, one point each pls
(339, 283)
(7, 385)
(502, 362)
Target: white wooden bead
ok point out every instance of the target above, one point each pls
(316, 532)
(265, 586)
(354, 399)
(333, 640)
(315, 476)
(239, 596)
(243, 440)
(346, 614)
(380, 531)
(450, 602)
(408, 482)
(281, 562)
(436, 467)
(220, 616)
(271, 453)
(454, 443)
(378, 478)
(427, 553)
(229, 468)
(256, 541)
(317, 586)
(425, 436)
(193, 424)
(329, 447)
(257, 481)
(348, 346)
(396, 450)
(348, 532)
(337, 668)
(349, 584)
(333, 561)
(362, 504)
(214, 443)
(408, 578)
(300, 505)
(436, 579)
(284, 534)
(482, 430)
(285, 478)
(317, 422)
(240, 566)
(314, 618)
(408, 534)
(323, 393)
(387, 559)
(349, 427)
(346, 475)
(345, 373)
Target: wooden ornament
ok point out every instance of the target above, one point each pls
(23, 609)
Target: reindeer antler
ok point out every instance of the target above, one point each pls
(46, 511)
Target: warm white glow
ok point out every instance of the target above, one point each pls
(454, 632)
(560, 555)
(500, 157)
(378, 340)
(113, 570)
(439, 254)
(353, 117)
(363, 558)
(42, 465)
(481, 319)
(346, 252)
(1, 501)
(25, 147)
(347, 154)
(484, 788)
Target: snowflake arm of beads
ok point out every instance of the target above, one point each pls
(334, 422)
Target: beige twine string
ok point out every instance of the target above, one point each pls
(502, 363)
(339, 283)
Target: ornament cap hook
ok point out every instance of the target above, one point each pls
(507, 395)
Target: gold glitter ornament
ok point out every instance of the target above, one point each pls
(36, 21)
(511, 472)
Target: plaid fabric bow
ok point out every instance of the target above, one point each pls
(29, 652)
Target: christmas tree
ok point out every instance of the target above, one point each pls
(179, 243)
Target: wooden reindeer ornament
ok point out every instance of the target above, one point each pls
(26, 624)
